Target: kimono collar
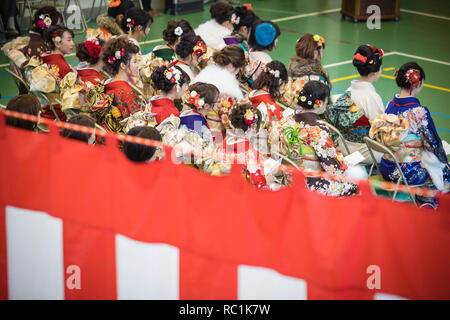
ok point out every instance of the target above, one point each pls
(404, 102)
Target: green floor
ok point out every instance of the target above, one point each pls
(422, 36)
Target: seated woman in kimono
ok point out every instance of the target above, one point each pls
(172, 82)
(60, 43)
(136, 24)
(242, 20)
(421, 154)
(200, 98)
(119, 58)
(305, 66)
(91, 65)
(191, 51)
(171, 35)
(24, 103)
(266, 89)
(139, 152)
(308, 143)
(245, 120)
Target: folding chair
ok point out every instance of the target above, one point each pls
(18, 78)
(336, 131)
(373, 145)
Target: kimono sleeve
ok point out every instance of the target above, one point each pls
(432, 141)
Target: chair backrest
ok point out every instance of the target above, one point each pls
(335, 130)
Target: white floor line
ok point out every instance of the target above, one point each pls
(423, 58)
(271, 10)
(306, 15)
(350, 61)
(425, 14)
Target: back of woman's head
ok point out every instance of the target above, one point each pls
(175, 29)
(187, 43)
(273, 77)
(245, 115)
(312, 94)
(51, 33)
(135, 17)
(165, 78)
(263, 35)
(44, 18)
(307, 44)
(24, 103)
(233, 54)
(116, 51)
(139, 152)
(117, 7)
(90, 50)
(367, 59)
(221, 12)
(81, 120)
(201, 93)
(242, 17)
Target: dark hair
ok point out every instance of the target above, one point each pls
(83, 53)
(237, 116)
(81, 120)
(206, 90)
(25, 103)
(160, 81)
(246, 18)
(367, 59)
(306, 46)
(401, 79)
(312, 91)
(138, 152)
(169, 33)
(120, 9)
(186, 45)
(221, 12)
(110, 48)
(267, 79)
(49, 11)
(256, 44)
(233, 54)
(49, 32)
(138, 17)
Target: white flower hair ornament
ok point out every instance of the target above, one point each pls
(275, 73)
(178, 31)
(192, 97)
(173, 75)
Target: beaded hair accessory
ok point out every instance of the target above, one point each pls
(303, 98)
(44, 21)
(199, 48)
(173, 75)
(192, 97)
(119, 54)
(412, 76)
(130, 23)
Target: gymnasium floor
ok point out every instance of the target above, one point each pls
(421, 35)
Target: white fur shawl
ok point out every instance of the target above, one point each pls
(213, 33)
(223, 79)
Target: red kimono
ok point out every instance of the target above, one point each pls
(56, 59)
(273, 109)
(87, 74)
(124, 97)
(163, 107)
(245, 154)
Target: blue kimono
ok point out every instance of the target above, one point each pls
(194, 121)
(423, 132)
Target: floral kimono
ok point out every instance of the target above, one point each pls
(421, 136)
(124, 97)
(163, 107)
(274, 110)
(308, 143)
(61, 67)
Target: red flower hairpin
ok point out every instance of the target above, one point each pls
(360, 57)
(119, 54)
(199, 48)
(412, 76)
(94, 48)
